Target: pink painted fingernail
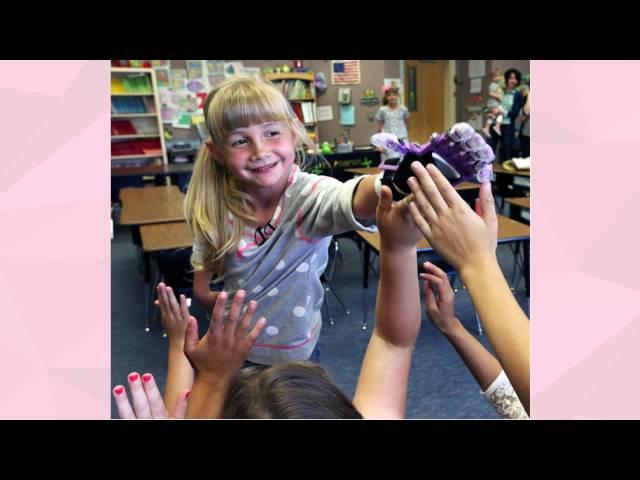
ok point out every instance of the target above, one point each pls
(146, 377)
(118, 390)
(133, 377)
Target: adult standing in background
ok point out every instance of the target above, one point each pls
(512, 102)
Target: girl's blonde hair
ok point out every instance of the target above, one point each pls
(238, 102)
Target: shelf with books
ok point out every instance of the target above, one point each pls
(136, 125)
(138, 135)
(132, 115)
(129, 157)
(305, 76)
(300, 90)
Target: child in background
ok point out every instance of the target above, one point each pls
(392, 118)
(494, 106)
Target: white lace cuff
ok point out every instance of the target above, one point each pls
(503, 398)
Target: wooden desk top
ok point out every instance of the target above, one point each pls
(508, 230)
(141, 206)
(500, 169)
(165, 236)
(152, 170)
(375, 171)
(364, 171)
(519, 201)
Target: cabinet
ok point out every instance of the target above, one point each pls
(137, 136)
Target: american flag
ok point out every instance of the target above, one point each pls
(345, 72)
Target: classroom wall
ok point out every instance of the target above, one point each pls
(462, 87)
(372, 75)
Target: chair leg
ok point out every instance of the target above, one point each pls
(154, 277)
(454, 282)
(329, 288)
(326, 304)
(365, 308)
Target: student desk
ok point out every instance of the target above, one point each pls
(171, 170)
(165, 236)
(509, 231)
(468, 190)
(146, 206)
(519, 209)
(497, 168)
(141, 206)
(156, 237)
(511, 183)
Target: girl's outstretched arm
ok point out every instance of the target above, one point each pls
(382, 386)
(365, 199)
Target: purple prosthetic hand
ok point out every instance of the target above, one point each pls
(460, 154)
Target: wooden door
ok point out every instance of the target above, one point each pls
(424, 94)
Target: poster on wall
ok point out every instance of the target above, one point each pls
(178, 79)
(477, 68)
(175, 104)
(168, 109)
(194, 68)
(215, 72)
(162, 77)
(233, 68)
(475, 85)
(253, 71)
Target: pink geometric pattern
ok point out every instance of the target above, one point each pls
(54, 260)
(585, 265)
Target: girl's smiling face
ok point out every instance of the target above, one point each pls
(260, 155)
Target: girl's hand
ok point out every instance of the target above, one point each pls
(456, 232)
(394, 222)
(226, 345)
(441, 302)
(174, 316)
(147, 401)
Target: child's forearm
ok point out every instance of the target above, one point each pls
(497, 96)
(398, 306)
(365, 199)
(207, 397)
(179, 374)
(506, 325)
(482, 365)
